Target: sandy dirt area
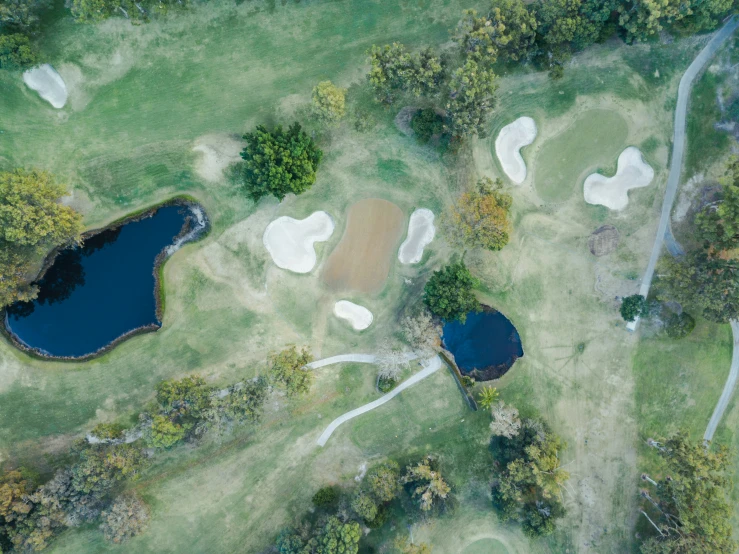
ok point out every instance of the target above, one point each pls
(511, 139)
(218, 152)
(358, 316)
(290, 241)
(361, 261)
(48, 83)
(612, 192)
(421, 232)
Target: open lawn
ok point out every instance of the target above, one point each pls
(140, 97)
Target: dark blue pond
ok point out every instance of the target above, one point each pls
(95, 293)
(485, 346)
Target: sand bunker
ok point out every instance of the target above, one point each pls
(361, 261)
(511, 139)
(218, 152)
(421, 232)
(290, 241)
(48, 83)
(358, 316)
(612, 192)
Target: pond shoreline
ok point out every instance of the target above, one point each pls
(199, 230)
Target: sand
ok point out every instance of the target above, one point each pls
(218, 152)
(290, 241)
(361, 261)
(421, 232)
(48, 83)
(612, 192)
(358, 316)
(511, 139)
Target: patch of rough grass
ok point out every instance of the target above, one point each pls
(706, 144)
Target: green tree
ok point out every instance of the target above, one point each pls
(679, 325)
(30, 212)
(393, 69)
(127, 517)
(329, 102)
(425, 124)
(427, 483)
(383, 481)
(520, 27)
(108, 431)
(707, 284)
(165, 433)
(242, 402)
(449, 292)
(335, 537)
(32, 221)
(718, 224)
(632, 307)
(488, 396)
(21, 15)
(688, 506)
(188, 397)
(364, 506)
(471, 99)
(528, 486)
(288, 369)
(17, 52)
(325, 497)
(279, 162)
(480, 217)
(479, 37)
(100, 466)
(645, 18)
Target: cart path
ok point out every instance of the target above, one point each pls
(430, 366)
(678, 148)
(723, 402)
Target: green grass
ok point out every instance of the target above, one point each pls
(678, 382)
(595, 139)
(706, 144)
(486, 546)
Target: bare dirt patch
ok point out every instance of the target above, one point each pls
(217, 153)
(604, 240)
(361, 261)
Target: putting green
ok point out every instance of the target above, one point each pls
(486, 546)
(593, 141)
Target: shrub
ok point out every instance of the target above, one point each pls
(126, 518)
(425, 124)
(329, 102)
(632, 307)
(326, 497)
(386, 384)
(679, 325)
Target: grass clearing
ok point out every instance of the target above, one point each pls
(564, 159)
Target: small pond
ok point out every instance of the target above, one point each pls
(95, 294)
(485, 346)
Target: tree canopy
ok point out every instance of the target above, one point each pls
(688, 508)
(288, 370)
(393, 69)
(632, 307)
(32, 222)
(449, 292)
(329, 102)
(528, 484)
(480, 218)
(718, 223)
(427, 485)
(279, 162)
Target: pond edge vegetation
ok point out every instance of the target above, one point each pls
(183, 200)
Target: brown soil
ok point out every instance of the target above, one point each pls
(361, 261)
(604, 240)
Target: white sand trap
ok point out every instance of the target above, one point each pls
(421, 232)
(48, 83)
(358, 316)
(290, 241)
(612, 192)
(218, 152)
(511, 139)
